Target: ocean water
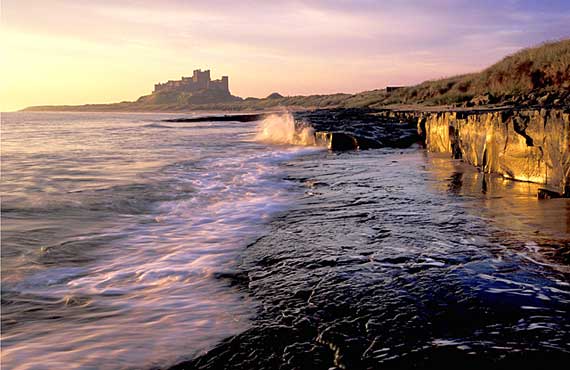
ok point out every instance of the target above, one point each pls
(129, 242)
(120, 231)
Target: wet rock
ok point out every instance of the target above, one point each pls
(524, 144)
(303, 294)
(305, 356)
(337, 140)
(234, 278)
(521, 144)
(527, 144)
(436, 291)
(221, 118)
(366, 143)
(548, 194)
(351, 129)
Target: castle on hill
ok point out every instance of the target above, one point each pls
(200, 80)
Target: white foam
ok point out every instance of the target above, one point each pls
(153, 295)
(282, 129)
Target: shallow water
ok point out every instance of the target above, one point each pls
(119, 232)
(400, 259)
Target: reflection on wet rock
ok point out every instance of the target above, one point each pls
(526, 145)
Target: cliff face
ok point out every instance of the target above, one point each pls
(521, 144)
(527, 145)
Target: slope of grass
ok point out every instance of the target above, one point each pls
(534, 71)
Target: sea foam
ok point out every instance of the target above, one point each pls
(282, 129)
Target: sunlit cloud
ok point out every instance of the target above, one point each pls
(73, 52)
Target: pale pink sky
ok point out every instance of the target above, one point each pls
(78, 51)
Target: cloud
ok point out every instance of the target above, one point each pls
(291, 46)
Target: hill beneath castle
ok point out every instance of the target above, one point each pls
(538, 76)
(182, 99)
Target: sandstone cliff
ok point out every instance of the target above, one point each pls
(521, 144)
(526, 145)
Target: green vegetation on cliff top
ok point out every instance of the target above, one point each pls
(534, 76)
(524, 77)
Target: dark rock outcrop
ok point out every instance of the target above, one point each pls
(337, 140)
(351, 129)
(525, 144)
(222, 118)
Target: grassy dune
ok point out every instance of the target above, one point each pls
(527, 75)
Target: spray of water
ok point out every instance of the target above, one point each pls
(282, 129)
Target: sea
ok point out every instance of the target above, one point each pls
(131, 242)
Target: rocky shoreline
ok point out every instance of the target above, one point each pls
(376, 266)
(523, 144)
(526, 144)
(306, 321)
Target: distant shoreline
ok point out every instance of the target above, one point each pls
(532, 77)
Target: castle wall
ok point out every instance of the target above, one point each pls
(225, 84)
(200, 80)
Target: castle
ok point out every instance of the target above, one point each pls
(200, 80)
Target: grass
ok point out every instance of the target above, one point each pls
(538, 70)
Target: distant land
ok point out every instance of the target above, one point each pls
(538, 76)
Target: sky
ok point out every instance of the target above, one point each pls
(89, 51)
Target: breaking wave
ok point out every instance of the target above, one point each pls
(282, 129)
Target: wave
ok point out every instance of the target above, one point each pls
(282, 129)
(147, 282)
(157, 125)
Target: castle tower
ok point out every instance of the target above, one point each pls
(201, 79)
(225, 83)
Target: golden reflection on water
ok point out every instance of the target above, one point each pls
(541, 227)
